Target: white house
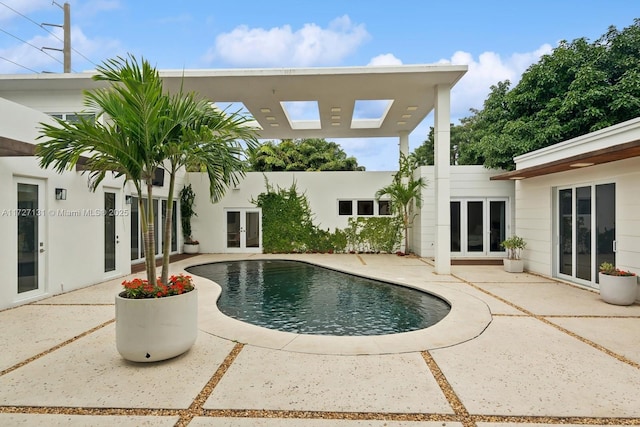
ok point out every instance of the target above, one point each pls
(60, 236)
(578, 204)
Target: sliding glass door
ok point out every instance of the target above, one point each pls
(585, 225)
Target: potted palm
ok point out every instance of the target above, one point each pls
(140, 128)
(514, 246)
(617, 286)
(187, 201)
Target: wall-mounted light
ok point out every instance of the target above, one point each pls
(127, 199)
(61, 194)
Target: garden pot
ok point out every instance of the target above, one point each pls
(513, 265)
(618, 290)
(191, 248)
(153, 329)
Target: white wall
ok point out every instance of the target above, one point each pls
(466, 182)
(323, 190)
(534, 215)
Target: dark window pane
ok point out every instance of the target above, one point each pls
(384, 207)
(365, 207)
(345, 207)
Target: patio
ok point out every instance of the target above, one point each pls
(549, 353)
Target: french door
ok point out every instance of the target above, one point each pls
(478, 226)
(244, 230)
(159, 207)
(30, 217)
(585, 229)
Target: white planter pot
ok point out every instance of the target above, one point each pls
(618, 290)
(513, 265)
(153, 329)
(189, 248)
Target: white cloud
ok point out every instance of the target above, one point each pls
(385, 59)
(22, 6)
(489, 69)
(282, 46)
(30, 57)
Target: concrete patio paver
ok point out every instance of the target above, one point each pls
(521, 366)
(307, 382)
(90, 373)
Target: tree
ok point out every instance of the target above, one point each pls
(301, 155)
(144, 129)
(404, 191)
(577, 89)
(424, 154)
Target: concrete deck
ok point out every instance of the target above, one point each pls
(518, 349)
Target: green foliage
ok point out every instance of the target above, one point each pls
(405, 191)
(187, 200)
(287, 224)
(514, 245)
(459, 141)
(373, 234)
(579, 88)
(301, 155)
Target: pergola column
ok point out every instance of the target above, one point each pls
(404, 144)
(442, 119)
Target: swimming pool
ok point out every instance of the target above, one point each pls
(298, 297)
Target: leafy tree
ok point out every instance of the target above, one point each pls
(301, 155)
(145, 129)
(579, 88)
(404, 191)
(424, 154)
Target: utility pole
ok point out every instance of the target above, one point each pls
(66, 28)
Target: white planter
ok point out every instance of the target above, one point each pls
(618, 290)
(189, 248)
(513, 265)
(153, 329)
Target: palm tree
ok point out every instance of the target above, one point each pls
(404, 191)
(143, 129)
(205, 139)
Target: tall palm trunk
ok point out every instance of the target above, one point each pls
(166, 243)
(150, 237)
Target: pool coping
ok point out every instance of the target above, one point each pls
(468, 318)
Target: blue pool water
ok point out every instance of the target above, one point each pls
(297, 297)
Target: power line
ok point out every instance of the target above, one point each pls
(33, 46)
(42, 26)
(19, 65)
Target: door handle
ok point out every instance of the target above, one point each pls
(41, 250)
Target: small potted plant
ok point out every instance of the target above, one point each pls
(156, 322)
(617, 286)
(514, 246)
(187, 201)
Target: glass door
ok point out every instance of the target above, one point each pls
(478, 226)
(110, 237)
(585, 225)
(30, 243)
(243, 233)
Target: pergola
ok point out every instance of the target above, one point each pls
(409, 93)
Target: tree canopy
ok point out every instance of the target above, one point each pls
(301, 155)
(578, 88)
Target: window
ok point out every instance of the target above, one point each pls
(365, 207)
(384, 207)
(345, 207)
(74, 118)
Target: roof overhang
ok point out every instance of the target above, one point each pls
(592, 158)
(410, 88)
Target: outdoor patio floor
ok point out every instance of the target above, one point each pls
(535, 351)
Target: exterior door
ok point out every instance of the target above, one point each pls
(585, 231)
(244, 230)
(478, 226)
(110, 236)
(30, 237)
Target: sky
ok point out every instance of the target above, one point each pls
(497, 39)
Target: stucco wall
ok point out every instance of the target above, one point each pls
(535, 214)
(466, 182)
